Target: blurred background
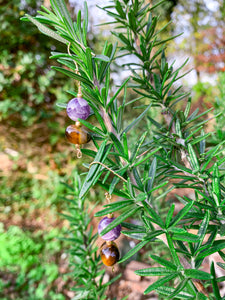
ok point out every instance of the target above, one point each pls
(35, 158)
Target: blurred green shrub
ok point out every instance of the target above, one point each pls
(203, 91)
(25, 77)
(28, 258)
(220, 108)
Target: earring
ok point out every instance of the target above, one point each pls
(109, 251)
(76, 134)
(77, 108)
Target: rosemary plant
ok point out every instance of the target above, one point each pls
(170, 153)
(84, 260)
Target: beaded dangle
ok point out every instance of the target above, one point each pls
(77, 108)
(109, 251)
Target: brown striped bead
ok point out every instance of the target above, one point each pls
(109, 253)
(76, 134)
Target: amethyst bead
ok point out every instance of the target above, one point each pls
(78, 108)
(112, 234)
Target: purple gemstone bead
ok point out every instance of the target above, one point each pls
(112, 234)
(78, 108)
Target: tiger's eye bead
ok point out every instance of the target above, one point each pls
(76, 134)
(109, 253)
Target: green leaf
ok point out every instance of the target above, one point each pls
(135, 234)
(164, 262)
(89, 62)
(140, 245)
(49, 32)
(63, 11)
(215, 248)
(179, 288)
(98, 158)
(117, 92)
(193, 133)
(125, 145)
(117, 144)
(197, 274)
(179, 166)
(116, 179)
(186, 237)
(151, 175)
(193, 158)
(73, 75)
(156, 218)
(214, 283)
(119, 9)
(222, 255)
(206, 197)
(115, 206)
(178, 128)
(210, 154)
(109, 51)
(134, 250)
(158, 271)
(85, 17)
(115, 191)
(169, 215)
(193, 117)
(200, 139)
(119, 219)
(203, 229)
(137, 178)
(145, 157)
(157, 4)
(137, 120)
(202, 143)
(133, 226)
(187, 108)
(221, 265)
(99, 118)
(102, 57)
(182, 213)
(172, 250)
(132, 21)
(200, 296)
(94, 172)
(216, 184)
(167, 291)
(157, 82)
(137, 146)
(62, 105)
(160, 282)
(92, 128)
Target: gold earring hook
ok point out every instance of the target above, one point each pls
(98, 162)
(78, 151)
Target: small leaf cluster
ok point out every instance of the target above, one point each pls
(143, 170)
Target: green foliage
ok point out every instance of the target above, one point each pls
(24, 187)
(144, 169)
(220, 109)
(85, 262)
(29, 260)
(26, 87)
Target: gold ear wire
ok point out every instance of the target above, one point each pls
(98, 162)
(108, 197)
(79, 94)
(79, 153)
